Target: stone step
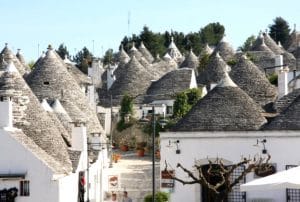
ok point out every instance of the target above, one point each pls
(137, 184)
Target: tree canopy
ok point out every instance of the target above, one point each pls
(280, 31)
(83, 59)
(62, 51)
(157, 43)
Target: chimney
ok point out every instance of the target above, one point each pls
(79, 137)
(278, 63)
(6, 119)
(283, 82)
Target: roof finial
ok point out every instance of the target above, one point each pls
(279, 44)
(6, 44)
(19, 50)
(172, 39)
(49, 47)
(295, 27)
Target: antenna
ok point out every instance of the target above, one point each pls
(128, 22)
(38, 50)
(93, 47)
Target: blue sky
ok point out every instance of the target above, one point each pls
(33, 24)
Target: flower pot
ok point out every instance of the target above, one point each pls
(124, 148)
(140, 152)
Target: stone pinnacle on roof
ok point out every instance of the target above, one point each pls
(50, 78)
(29, 116)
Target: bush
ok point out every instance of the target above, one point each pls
(159, 197)
(273, 78)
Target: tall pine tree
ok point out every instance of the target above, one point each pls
(280, 31)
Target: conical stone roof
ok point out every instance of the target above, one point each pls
(174, 52)
(284, 102)
(170, 84)
(205, 51)
(62, 115)
(288, 119)
(134, 80)
(191, 61)
(64, 133)
(122, 56)
(214, 70)
(250, 79)
(50, 79)
(29, 116)
(225, 108)
(225, 50)
(79, 76)
(164, 66)
(5, 55)
(260, 45)
(145, 52)
(20, 56)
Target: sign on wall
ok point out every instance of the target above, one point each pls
(113, 181)
(166, 179)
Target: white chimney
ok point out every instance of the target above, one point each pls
(283, 82)
(278, 63)
(79, 137)
(6, 118)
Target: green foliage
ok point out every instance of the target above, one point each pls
(251, 57)
(31, 64)
(273, 78)
(83, 59)
(203, 62)
(280, 31)
(157, 43)
(212, 33)
(159, 197)
(126, 110)
(247, 44)
(181, 106)
(232, 62)
(193, 95)
(184, 102)
(108, 57)
(62, 51)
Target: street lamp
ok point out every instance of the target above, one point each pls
(163, 123)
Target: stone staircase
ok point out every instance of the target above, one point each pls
(135, 175)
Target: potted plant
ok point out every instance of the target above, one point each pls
(140, 148)
(159, 197)
(116, 157)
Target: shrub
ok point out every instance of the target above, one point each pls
(159, 197)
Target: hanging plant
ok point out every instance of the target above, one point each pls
(265, 169)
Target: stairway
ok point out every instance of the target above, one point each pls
(135, 175)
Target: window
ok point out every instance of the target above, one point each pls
(46, 83)
(24, 188)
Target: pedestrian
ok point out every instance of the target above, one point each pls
(126, 198)
(114, 197)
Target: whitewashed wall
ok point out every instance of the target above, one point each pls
(15, 158)
(283, 146)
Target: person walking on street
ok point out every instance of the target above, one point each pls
(126, 198)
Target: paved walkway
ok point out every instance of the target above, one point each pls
(135, 175)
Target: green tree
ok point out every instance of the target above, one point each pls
(247, 44)
(181, 106)
(126, 111)
(108, 56)
(31, 64)
(280, 31)
(153, 41)
(193, 95)
(62, 51)
(203, 62)
(83, 59)
(212, 33)
(159, 197)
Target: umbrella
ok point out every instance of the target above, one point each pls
(288, 179)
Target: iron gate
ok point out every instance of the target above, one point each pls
(235, 195)
(292, 195)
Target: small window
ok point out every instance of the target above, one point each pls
(24, 188)
(46, 83)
